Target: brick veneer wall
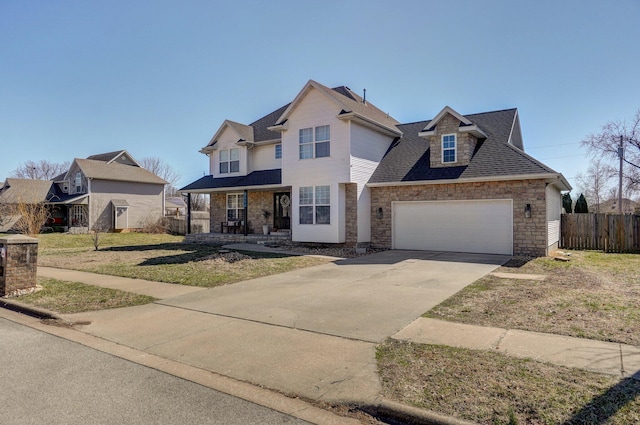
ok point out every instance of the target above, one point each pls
(351, 213)
(529, 234)
(19, 267)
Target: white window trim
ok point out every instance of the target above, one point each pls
(228, 161)
(455, 148)
(314, 142)
(239, 208)
(314, 205)
(275, 149)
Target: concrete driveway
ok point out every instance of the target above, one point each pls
(367, 298)
(310, 332)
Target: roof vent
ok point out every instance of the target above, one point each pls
(364, 97)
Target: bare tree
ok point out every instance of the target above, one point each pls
(40, 170)
(595, 183)
(198, 201)
(605, 145)
(101, 223)
(22, 205)
(163, 170)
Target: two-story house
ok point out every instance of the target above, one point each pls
(110, 191)
(332, 168)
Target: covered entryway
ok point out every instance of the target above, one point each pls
(482, 226)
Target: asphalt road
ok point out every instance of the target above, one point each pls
(48, 380)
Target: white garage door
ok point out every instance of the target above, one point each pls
(460, 226)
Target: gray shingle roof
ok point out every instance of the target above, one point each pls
(118, 172)
(24, 191)
(106, 157)
(256, 178)
(408, 157)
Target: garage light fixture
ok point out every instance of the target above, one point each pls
(379, 213)
(527, 211)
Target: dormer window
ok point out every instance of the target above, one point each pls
(448, 148)
(229, 161)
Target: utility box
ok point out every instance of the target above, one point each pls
(18, 264)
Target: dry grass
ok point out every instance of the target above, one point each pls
(490, 388)
(594, 295)
(75, 297)
(148, 257)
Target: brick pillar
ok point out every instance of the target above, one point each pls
(351, 200)
(19, 264)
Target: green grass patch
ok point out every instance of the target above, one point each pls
(491, 388)
(75, 297)
(50, 242)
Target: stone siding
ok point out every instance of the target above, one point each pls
(465, 143)
(529, 234)
(351, 213)
(19, 266)
(257, 201)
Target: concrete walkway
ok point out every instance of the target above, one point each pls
(604, 357)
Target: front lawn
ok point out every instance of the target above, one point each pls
(594, 295)
(490, 388)
(163, 258)
(75, 297)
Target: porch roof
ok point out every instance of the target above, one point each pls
(256, 179)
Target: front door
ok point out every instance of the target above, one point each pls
(282, 210)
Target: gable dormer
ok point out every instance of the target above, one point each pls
(452, 139)
(227, 149)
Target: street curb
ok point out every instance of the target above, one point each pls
(410, 415)
(37, 312)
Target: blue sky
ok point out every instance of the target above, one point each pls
(158, 77)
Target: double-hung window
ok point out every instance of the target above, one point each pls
(315, 205)
(278, 151)
(235, 206)
(315, 142)
(229, 161)
(448, 148)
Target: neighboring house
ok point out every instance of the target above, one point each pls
(611, 207)
(175, 206)
(19, 191)
(109, 191)
(333, 168)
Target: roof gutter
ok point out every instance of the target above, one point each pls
(369, 123)
(233, 189)
(551, 178)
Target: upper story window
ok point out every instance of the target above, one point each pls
(78, 182)
(278, 151)
(315, 205)
(229, 161)
(315, 142)
(449, 148)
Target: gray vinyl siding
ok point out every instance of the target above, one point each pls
(145, 201)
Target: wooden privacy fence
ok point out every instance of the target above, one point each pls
(606, 232)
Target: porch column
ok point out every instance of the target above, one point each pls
(188, 218)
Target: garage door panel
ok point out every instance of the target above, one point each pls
(460, 226)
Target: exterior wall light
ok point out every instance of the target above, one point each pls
(379, 213)
(527, 211)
